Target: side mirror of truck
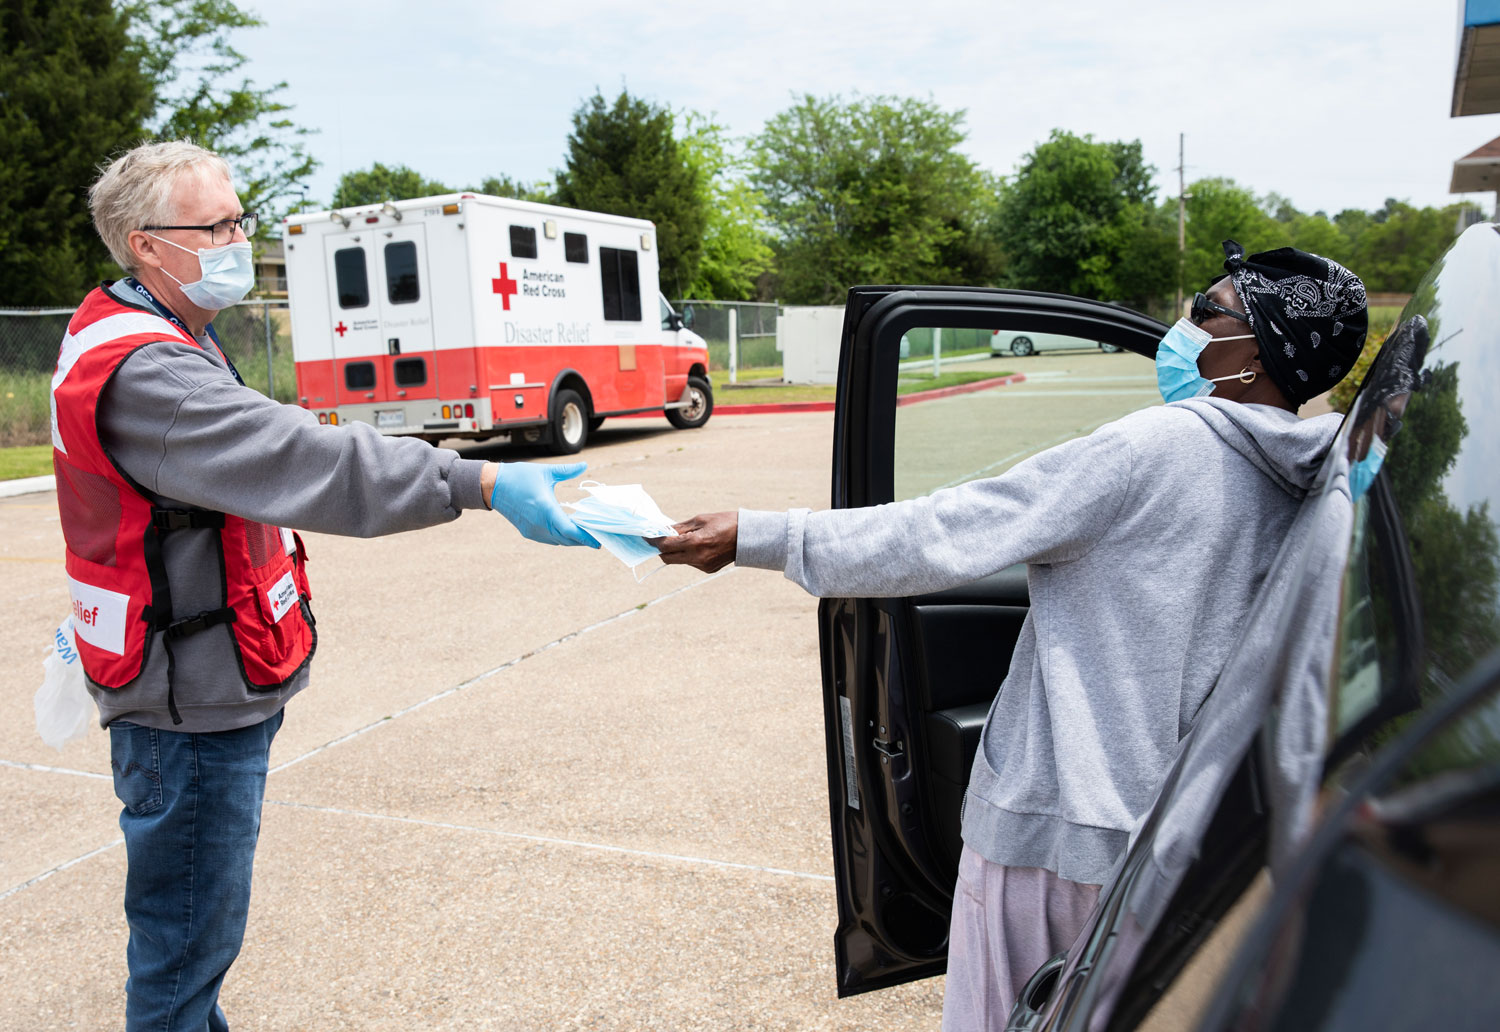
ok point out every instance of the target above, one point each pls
(687, 316)
(674, 321)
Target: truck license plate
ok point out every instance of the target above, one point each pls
(390, 418)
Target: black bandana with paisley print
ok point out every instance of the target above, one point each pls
(1308, 314)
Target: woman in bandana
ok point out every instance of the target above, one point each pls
(1144, 544)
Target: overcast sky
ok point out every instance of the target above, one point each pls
(1332, 103)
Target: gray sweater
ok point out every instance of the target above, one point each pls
(179, 424)
(1145, 544)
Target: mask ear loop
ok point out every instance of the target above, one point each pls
(1245, 375)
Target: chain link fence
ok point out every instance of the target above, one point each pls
(756, 330)
(256, 335)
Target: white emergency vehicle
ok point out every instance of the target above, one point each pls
(473, 316)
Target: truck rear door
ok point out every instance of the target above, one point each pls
(409, 366)
(358, 370)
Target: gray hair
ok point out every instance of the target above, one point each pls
(135, 190)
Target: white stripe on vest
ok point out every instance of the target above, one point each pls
(75, 345)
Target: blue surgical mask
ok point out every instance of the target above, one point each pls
(226, 275)
(1362, 473)
(1177, 375)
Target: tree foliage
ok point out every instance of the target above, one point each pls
(1078, 217)
(203, 95)
(872, 190)
(380, 183)
(736, 248)
(72, 91)
(624, 159)
(505, 186)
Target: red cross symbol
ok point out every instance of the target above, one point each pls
(340, 329)
(504, 286)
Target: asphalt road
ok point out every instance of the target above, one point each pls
(524, 791)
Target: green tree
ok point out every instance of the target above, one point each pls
(1078, 217)
(202, 95)
(71, 92)
(1218, 210)
(1401, 242)
(505, 186)
(381, 183)
(736, 248)
(624, 159)
(872, 190)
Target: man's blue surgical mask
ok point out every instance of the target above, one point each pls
(227, 274)
(1362, 473)
(1177, 375)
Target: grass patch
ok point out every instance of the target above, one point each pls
(33, 460)
(750, 392)
(910, 383)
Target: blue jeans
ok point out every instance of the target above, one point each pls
(191, 820)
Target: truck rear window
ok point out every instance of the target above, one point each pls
(619, 274)
(359, 376)
(576, 248)
(401, 273)
(352, 282)
(523, 241)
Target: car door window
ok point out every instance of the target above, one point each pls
(1006, 401)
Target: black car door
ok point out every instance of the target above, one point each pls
(907, 682)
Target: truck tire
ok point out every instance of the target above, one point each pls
(570, 423)
(700, 405)
(595, 423)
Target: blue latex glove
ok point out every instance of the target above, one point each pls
(524, 494)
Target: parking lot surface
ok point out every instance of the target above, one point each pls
(523, 791)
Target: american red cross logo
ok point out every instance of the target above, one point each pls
(340, 329)
(504, 286)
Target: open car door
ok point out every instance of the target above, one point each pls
(908, 682)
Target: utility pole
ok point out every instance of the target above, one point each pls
(1181, 219)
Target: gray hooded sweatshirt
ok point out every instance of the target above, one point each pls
(1145, 543)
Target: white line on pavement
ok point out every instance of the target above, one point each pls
(55, 770)
(60, 868)
(570, 636)
(1022, 454)
(553, 841)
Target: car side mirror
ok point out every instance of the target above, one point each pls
(674, 321)
(687, 316)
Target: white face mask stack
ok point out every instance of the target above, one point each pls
(620, 518)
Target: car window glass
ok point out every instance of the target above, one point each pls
(1013, 393)
(620, 280)
(401, 273)
(523, 241)
(350, 277)
(666, 314)
(576, 248)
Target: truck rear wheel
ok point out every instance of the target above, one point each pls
(700, 405)
(570, 423)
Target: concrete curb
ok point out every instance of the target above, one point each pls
(27, 485)
(828, 406)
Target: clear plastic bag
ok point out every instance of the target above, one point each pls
(64, 709)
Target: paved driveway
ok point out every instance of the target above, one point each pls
(523, 792)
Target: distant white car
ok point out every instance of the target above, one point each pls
(1004, 342)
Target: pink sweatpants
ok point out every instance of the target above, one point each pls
(1007, 922)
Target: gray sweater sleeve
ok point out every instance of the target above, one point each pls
(179, 425)
(1052, 508)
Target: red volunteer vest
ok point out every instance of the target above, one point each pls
(114, 533)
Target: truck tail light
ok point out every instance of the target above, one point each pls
(294, 230)
(468, 411)
(450, 209)
(323, 418)
(333, 417)
(447, 411)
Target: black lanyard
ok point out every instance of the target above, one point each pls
(166, 313)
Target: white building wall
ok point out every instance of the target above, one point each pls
(809, 340)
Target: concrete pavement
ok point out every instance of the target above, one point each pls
(523, 791)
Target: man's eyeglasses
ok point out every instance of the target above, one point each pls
(223, 232)
(1203, 309)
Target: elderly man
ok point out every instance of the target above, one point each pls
(1145, 543)
(176, 487)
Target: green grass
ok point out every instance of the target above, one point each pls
(33, 460)
(750, 392)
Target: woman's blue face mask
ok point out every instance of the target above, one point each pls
(1177, 375)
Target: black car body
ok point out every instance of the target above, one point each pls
(1378, 621)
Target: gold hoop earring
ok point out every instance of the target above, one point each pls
(1247, 375)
